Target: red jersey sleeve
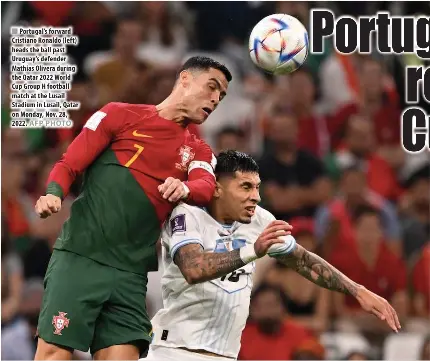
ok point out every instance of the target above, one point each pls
(96, 135)
(201, 176)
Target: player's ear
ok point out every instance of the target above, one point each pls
(185, 78)
(218, 190)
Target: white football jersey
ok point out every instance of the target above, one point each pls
(210, 315)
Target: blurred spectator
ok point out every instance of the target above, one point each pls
(421, 284)
(94, 23)
(121, 67)
(313, 132)
(159, 84)
(374, 266)
(14, 142)
(13, 180)
(309, 350)
(18, 341)
(425, 350)
(11, 279)
(358, 150)
(339, 72)
(165, 38)
(356, 356)
(307, 303)
(136, 89)
(82, 91)
(230, 138)
(270, 335)
(375, 100)
(414, 207)
(294, 181)
(333, 227)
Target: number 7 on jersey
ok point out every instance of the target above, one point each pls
(135, 156)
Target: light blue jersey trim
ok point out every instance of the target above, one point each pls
(289, 249)
(184, 243)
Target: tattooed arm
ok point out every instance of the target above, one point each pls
(198, 266)
(319, 271)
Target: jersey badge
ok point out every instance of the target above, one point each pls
(177, 224)
(60, 322)
(187, 155)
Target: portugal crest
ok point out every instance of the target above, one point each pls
(187, 155)
(60, 322)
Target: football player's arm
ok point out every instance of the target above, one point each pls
(186, 250)
(319, 271)
(185, 246)
(201, 177)
(322, 273)
(199, 187)
(197, 266)
(96, 135)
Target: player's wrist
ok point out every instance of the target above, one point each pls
(247, 253)
(187, 191)
(55, 189)
(359, 291)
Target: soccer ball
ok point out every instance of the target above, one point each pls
(279, 44)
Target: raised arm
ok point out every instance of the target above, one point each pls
(96, 135)
(93, 139)
(319, 271)
(200, 186)
(322, 273)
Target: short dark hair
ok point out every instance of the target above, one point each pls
(266, 287)
(205, 63)
(231, 131)
(365, 210)
(231, 161)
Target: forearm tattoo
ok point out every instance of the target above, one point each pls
(319, 271)
(191, 260)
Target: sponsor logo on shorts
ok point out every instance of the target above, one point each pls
(60, 322)
(177, 224)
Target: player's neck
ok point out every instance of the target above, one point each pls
(217, 213)
(173, 110)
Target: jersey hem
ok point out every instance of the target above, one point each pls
(194, 347)
(143, 273)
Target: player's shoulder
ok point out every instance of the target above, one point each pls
(262, 217)
(182, 216)
(193, 140)
(201, 149)
(184, 208)
(133, 110)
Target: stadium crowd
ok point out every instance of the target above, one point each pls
(327, 139)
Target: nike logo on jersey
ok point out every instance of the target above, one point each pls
(136, 134)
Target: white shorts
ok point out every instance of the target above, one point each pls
(160, 353)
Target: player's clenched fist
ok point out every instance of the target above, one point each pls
(47, 205)
(173, 189)
(271, 236)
